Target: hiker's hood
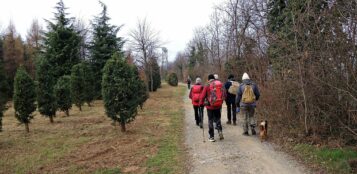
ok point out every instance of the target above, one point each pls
(247, 81)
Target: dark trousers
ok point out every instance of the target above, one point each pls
(198, 114)
(189, 85)
(214, 116)
(231, 111)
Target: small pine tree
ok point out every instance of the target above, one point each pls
(24, 97)
(142, 92)
(46, 99)
(4, 90)
(172, 79)
(89, 82)
(63, 94)
(119, 91)
(156, 78)
(77, 85)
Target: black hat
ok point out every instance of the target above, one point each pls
(210, 77)
(231, 76)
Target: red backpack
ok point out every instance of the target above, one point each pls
(196, 92)
(216, 94)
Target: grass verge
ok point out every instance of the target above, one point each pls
(170, 153)
(333, 160)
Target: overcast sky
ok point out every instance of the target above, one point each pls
(174, 19)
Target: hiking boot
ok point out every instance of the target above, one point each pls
(234, 123)
(211, 139)
(253, 132)
(220, 133)
(229, 122)
(246, 133)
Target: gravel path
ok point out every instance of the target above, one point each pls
(236, 154)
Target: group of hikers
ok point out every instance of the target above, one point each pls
(238, 97)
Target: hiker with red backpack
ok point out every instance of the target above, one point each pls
(248, 94)
(195, 94)
(212, 97)
(231, 87)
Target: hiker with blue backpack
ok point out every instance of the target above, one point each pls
(247, 97)
(195, 94)
(212, 97)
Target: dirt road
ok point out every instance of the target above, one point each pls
(236, 154)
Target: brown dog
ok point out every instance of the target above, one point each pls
(263, 130)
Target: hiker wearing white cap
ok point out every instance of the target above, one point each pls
(248, 94)
(195, 94)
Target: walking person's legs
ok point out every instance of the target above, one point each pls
(245, 120)
(217, 116)
(196, 108)
(252, 121)
(201, 116)
(234, 113)
(210, 125)
(229, 109)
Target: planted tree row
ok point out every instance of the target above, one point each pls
(68, 69)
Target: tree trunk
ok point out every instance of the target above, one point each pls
(152, 80)
(80, 108)
(51, 118)
(89, 105)
(122, 124)
(27, 127)
(67, 113)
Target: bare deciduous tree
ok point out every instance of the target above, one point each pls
(145, 42)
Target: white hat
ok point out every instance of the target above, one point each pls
(215, 76)
(198, 80)
(245, 76)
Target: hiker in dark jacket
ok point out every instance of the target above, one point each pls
(248, 109)
(188, 82)
(213, 112)
(230, 102)
(195, 95)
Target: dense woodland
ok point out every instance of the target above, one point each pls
(72, 63)
(302, 54)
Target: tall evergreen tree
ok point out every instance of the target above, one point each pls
(63, 94)
(62, 43)
(141, 88)
(24, 97)
(46, 99)
(104, 44)
(77, 85)
(89, 82)
(4, 87)
(155, 82)
(119, 91)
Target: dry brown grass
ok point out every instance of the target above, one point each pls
(86, 142)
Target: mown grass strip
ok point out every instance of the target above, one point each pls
(167, 160)
(333, 160)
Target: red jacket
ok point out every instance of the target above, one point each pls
(195, 94)
(205, 94)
